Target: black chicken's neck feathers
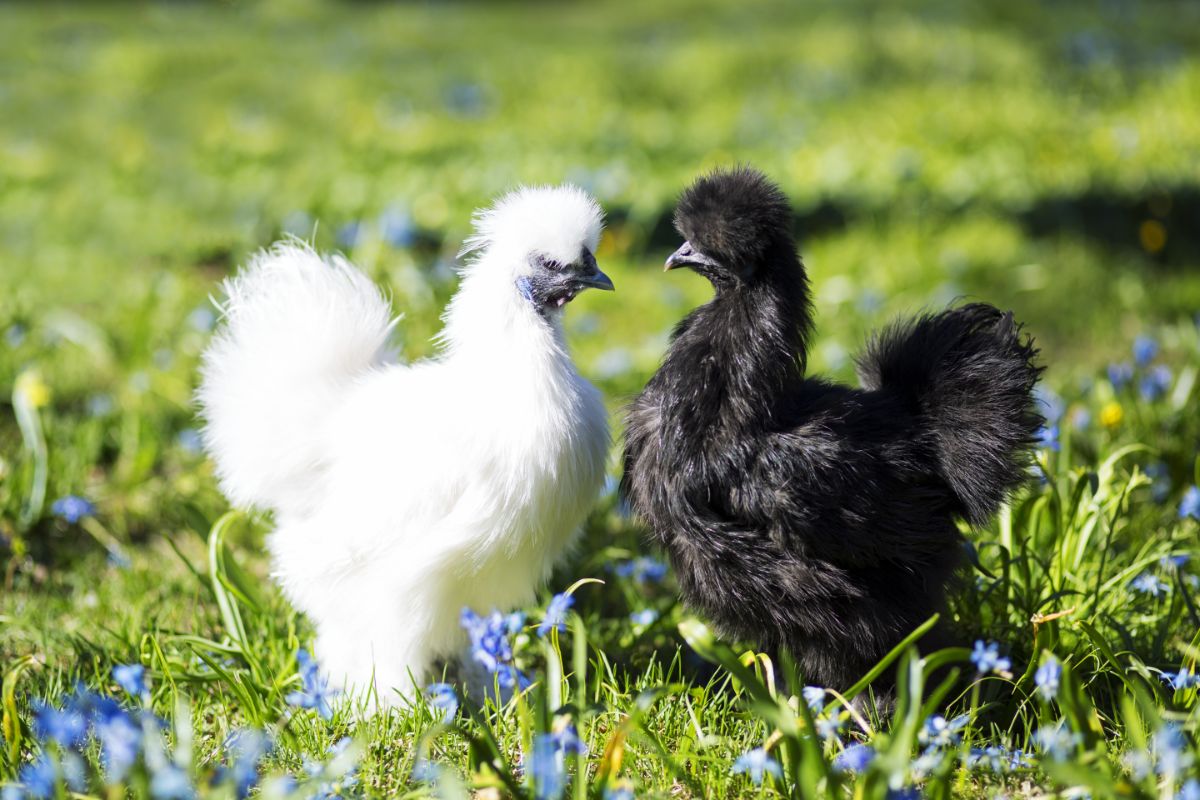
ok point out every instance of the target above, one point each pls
(747, 346)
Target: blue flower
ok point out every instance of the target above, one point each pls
(72, 508)
(814, 698)
(120, 741)
(1189, 506)
(756, 763)
(39, 778)
(1047, 438)
(1170, 748)
(986, 658)
(490, 645)
(1184, 679)
(997, 759)
(64, 726)
(1119, 375)
(314, 692)
(1144, 350)
(189, 441)
(1155, 383)
(171, 783)
(1049, 403)
(248, 747)
(1057, 742)
(425, 771)
(348, 234)
(1148, 583)
(855, 758)
(903, 793)
(556, 614)
(938, 732)
(646, 616)
(1189, 791)
(624, 791)
(1081, 418)
(131, 678)
(441, 697)
(1174, 562)
(547, 768)
(566, 738)
(397, 228)
(642, 569)
(202, 319)
(1047, 677)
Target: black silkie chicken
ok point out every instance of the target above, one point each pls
(803, 514)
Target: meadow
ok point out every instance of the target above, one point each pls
(1042, 157)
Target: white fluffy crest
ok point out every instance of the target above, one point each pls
(554, 220)
(404, 492)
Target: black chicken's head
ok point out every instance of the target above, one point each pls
(736, 222)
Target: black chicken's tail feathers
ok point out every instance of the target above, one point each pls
(970, 373)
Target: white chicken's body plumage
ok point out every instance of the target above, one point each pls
(404, 492)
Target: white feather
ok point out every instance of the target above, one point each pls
(403, 493)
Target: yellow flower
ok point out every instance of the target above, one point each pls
(1112, 414)
(31, 386)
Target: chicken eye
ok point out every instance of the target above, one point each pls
(547, 263)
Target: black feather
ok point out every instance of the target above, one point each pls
(803, 514)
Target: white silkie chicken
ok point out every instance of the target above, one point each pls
(404, 492)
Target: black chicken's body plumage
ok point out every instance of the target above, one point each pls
(797, 512)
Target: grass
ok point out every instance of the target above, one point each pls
(1040, 158)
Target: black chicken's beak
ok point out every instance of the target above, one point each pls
(687, 256)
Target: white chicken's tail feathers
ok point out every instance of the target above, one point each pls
(298, 330)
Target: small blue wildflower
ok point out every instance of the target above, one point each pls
(1119, 375)
(1081, 419)
(1144, 350)
(903, 793)
(74, 771)
(425, 771)
(248, 747)
(756, 763)
(441, 698)
(1189, 506)
(314, 692)
(120, 740)
(1049, 403)
(171, 783)
(489, 637)
(39, 778)
(396, 227)
(814, 698)
(930, 759)
(72, 508)
(1182, 680)
(1155, 383)
(828, 728)
(131, 678)
(556, 614)
(642, 569)
(622, 791)
(646, 616)
(547, 768)
(938, 732)
(566, 738)
(508, 676)
(1170, 748)
(1148, 583)
(1047, 438)
(1189, 790)
(66, 727)
(1174, 562)
(854, 758)
(986, 658)
(1160, 477)
(100, 405)
(202, 319)
(15, 335)
(349, 234)
(1139, 764)
(1047, 678)
(1057, 742)
(189, 441)
(997, 759)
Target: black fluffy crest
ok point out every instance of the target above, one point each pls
(735, 216)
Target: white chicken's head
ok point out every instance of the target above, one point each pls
(546, 238)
